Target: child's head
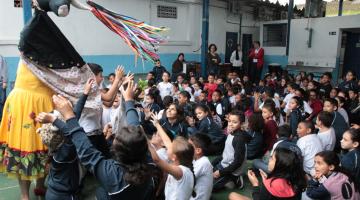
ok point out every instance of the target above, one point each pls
(149, 98)
(182, 152)
(111, 78)
(197, 85)
(245, 78)
(212, 109)
(291, 87)
(97, 70)
(211, 78)
(175, 87)
(311, 85)
(313, 94)
(216, 95)
(202, 96)
(326, 162)
(201, 143)
(150, 75)
(341, 101)
(234, 121)
(157, 63)
(157, 141)
(283, 82)
(330, 105)
(256, 122)
(193, 80)
(287, 163)
(305, 128)
(116, 101)
(295, 103)
(201, 80)
(130, 147)
(324, 119)
(353, 93)
(185, 84)
(350, 75)
(268, 111)
(167, 101)
(180, 78)
(304, 83)
(326, 77)
(284, 131)
(151, 83)
(201, 111)
(334, 92)
(351, 139)
(174, 111)
(220, 80)
(238, 98)
(184, 97)
(166, 76)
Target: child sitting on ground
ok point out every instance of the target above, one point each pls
(229, 166)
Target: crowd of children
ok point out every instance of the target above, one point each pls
(299, 135)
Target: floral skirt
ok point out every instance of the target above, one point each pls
(22, 154)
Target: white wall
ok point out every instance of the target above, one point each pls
(90, 37)
(325, 48)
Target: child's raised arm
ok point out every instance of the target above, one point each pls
(171, 169)
(165, 138)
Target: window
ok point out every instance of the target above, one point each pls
(274, 35)
(167, 12)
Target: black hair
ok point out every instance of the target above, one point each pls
(354, 135)
(152, 73)
(293, 85)
(201, 141)
(326, 118)
(212, 108)
(166, 72)
(185, 94)
(331, 158)
(237, 57)
(212, 45)
(151, 82)
(154, 93)
(130, 150)
(95, 68)
(211, 74)
(342, 100)
(299, 102)
(289, 166)
(180, 113)
(269, 92)
(309, 124)
(203, 107)
(284, 131)
(219, 92)
(257, 42)
(328, 74)
(111, 74)
(180, 54)
(256, 122)
(332, 101)
(167, 101)
(239, 114)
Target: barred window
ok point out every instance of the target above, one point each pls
(166, 12)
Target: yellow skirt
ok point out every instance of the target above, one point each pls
(22, 153)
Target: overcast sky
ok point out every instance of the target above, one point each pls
(296, 1)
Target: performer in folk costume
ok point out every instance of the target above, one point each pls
(50, 65)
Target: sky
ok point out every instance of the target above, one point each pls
(295, 1)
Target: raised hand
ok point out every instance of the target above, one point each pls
(128, 94)
(154, 120)
(64, 106)
(119, 72)
(89, 84)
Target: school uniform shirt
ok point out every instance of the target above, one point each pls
(210, 128)
(165, 89)
(351, 162)
(276, 101)
(158, 72)
(324, 90)
(288, 97)
(347, 85)
(270, 131)
(105, 119)
(309, 145)
(307, 108)
(177, 128)
(197, 93)
(340, 126)
(343, 113)
(335, 187)
(234, 154)
(203, 171)
(180, 189)
(91, 120)
(254, 147)
(328, 139)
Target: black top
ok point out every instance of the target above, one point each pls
(42, 42)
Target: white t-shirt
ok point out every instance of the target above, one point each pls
(309, 145)
(165, 89)
(288, 97)
(307, 107)
(236, 63)
(105, 116)
(203, 171)
(180, 189)
(328, 139)
(276, 101)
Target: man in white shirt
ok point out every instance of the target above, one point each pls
(326, 133)
(309, 144)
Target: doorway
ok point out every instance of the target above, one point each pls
(231, 42)
(246, 46)
(351, 46)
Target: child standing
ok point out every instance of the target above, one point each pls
(351, 160)
(158, 71)
(330, 181)
(296, 106)
(165, 87)
(211, 86)
(202, 166)
(180, 182)
(230, 165)
(326, 133)
(309, 144)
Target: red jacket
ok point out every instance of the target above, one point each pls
(259, 56)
